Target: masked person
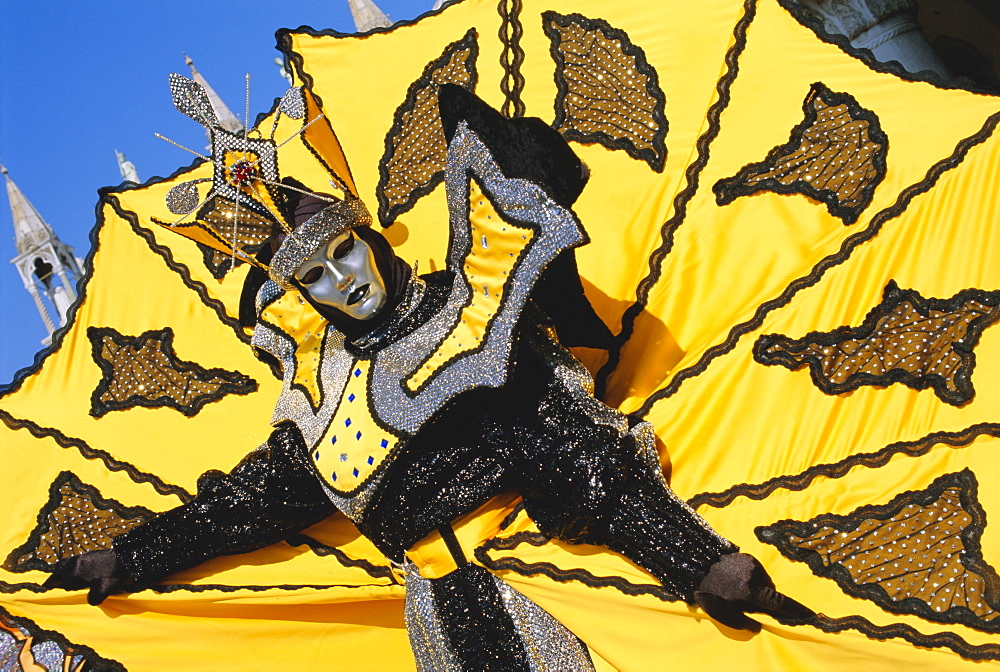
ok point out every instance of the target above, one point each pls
(423, 407)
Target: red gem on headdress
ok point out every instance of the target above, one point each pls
(241, 173)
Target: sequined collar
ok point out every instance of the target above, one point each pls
(424, 297)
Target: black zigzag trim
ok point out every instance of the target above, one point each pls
(388, 211)
(870, 170)
(556, 573)
(179, 268)
(323, 550)
(940, 640)
(283, 39)
(94, 454)
(8, 588)
(952, 386)
(230, 382)
(511, 58)
(840, 469)
(847, 247)
(922, 539)
(692, 174)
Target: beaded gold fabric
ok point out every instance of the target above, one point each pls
(607, 92)
(415, 146)
(76, 519)
(907, 339)
(227, 222)
(145, 371)
(836, 155)
(919, 554)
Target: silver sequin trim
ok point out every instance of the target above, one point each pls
(430, 644)
(549, 645)
(307, 238)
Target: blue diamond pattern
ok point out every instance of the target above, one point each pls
(347, 423)
(357, 372)
(358, 436)
(333, 440)
(384, 443)
(334, 476)
(355, 472)
(371, 460)
(351, 397)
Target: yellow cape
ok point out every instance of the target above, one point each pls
(691, 284)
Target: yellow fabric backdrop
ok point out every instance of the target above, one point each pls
(724, 419)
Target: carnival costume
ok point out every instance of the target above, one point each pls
(430, 426)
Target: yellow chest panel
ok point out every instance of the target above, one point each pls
(354, 444)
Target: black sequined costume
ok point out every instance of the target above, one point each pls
(582, 480)
(586, 472)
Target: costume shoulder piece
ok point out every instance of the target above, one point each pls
(504, 231)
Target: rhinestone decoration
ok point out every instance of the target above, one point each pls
(361, 443)
(837, 155)
(308, 237)
(555, 229)
(919, 554)
(183, 198)
(608, 93)
(191, 100)
(906, 338)
(145, 371)
(74, 520)
(241, 173)
(241, 166)
(549, 645)
(415, 146)
(292, 104)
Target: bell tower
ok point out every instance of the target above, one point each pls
(47, 266)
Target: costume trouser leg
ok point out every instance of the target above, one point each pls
(470, 620)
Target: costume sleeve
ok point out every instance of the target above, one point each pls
(593, 476)
(270, 495)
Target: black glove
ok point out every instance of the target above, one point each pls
(737, 583)
(95, 570)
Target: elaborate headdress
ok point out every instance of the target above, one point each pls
(246, 201)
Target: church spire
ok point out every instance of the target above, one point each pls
(127, 168)
(227, 119)
(30, 230)
(367, 15)
(46, 265)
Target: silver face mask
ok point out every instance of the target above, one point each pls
(342, 274)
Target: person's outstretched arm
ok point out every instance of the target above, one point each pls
(270, 495)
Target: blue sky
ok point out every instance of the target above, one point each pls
(80, 80)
